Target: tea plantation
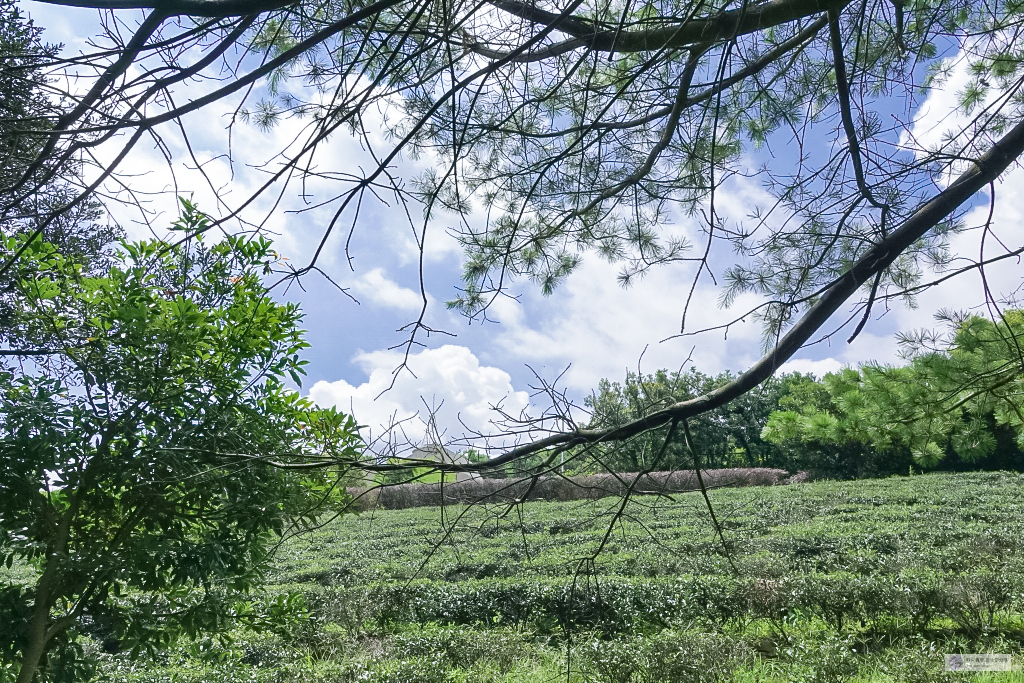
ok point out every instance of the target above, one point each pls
(869, 580)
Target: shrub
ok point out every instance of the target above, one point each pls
(460, 647)
(669, 656)
(557, 488)
(973, 601)
(412, 670)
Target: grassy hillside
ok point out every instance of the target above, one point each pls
(852, 581)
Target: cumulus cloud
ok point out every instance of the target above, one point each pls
(450, 379)
(818, 368)
(590, 323)
(376, 287)
(940, 113)
(937, 117)
(988, 236)
(599, 330)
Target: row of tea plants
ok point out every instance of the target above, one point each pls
(826, 581)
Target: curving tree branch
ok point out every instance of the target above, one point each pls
(983, 171)
(173, 8)
(724, 26)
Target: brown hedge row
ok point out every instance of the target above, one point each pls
(559, 488)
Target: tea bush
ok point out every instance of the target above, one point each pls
(460, 648)
(834, 581)
(679, 657)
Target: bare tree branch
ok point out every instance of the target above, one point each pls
(195, 8)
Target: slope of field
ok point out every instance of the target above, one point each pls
(828, 581)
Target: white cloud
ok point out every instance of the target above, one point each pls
(450, 377)
(376, 287)
(935, 120)
(68, 26)
(590, 322)
(940, 113)
(597, 329)
(602, 330)
(818, 368)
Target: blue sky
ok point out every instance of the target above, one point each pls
(588, 329)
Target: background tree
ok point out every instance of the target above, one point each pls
(812, 405)
(145, 442)
(729, 436)
(579, 125)
(957, 404)
(29, 104)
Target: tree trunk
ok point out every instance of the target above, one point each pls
(40, 631)
(37, 639)
(742, 438)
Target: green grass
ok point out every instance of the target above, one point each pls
(849, 581)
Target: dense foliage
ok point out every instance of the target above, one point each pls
(735, 435)
(729, 436)
(29, 106)
(958, 403)
(145, 437)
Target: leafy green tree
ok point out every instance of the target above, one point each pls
(149, 448)
(959, 396)
(807, 431)
(729, 436)
(28, 110)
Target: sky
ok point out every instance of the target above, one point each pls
(588, 329)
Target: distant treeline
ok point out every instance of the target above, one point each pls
(958, 404)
